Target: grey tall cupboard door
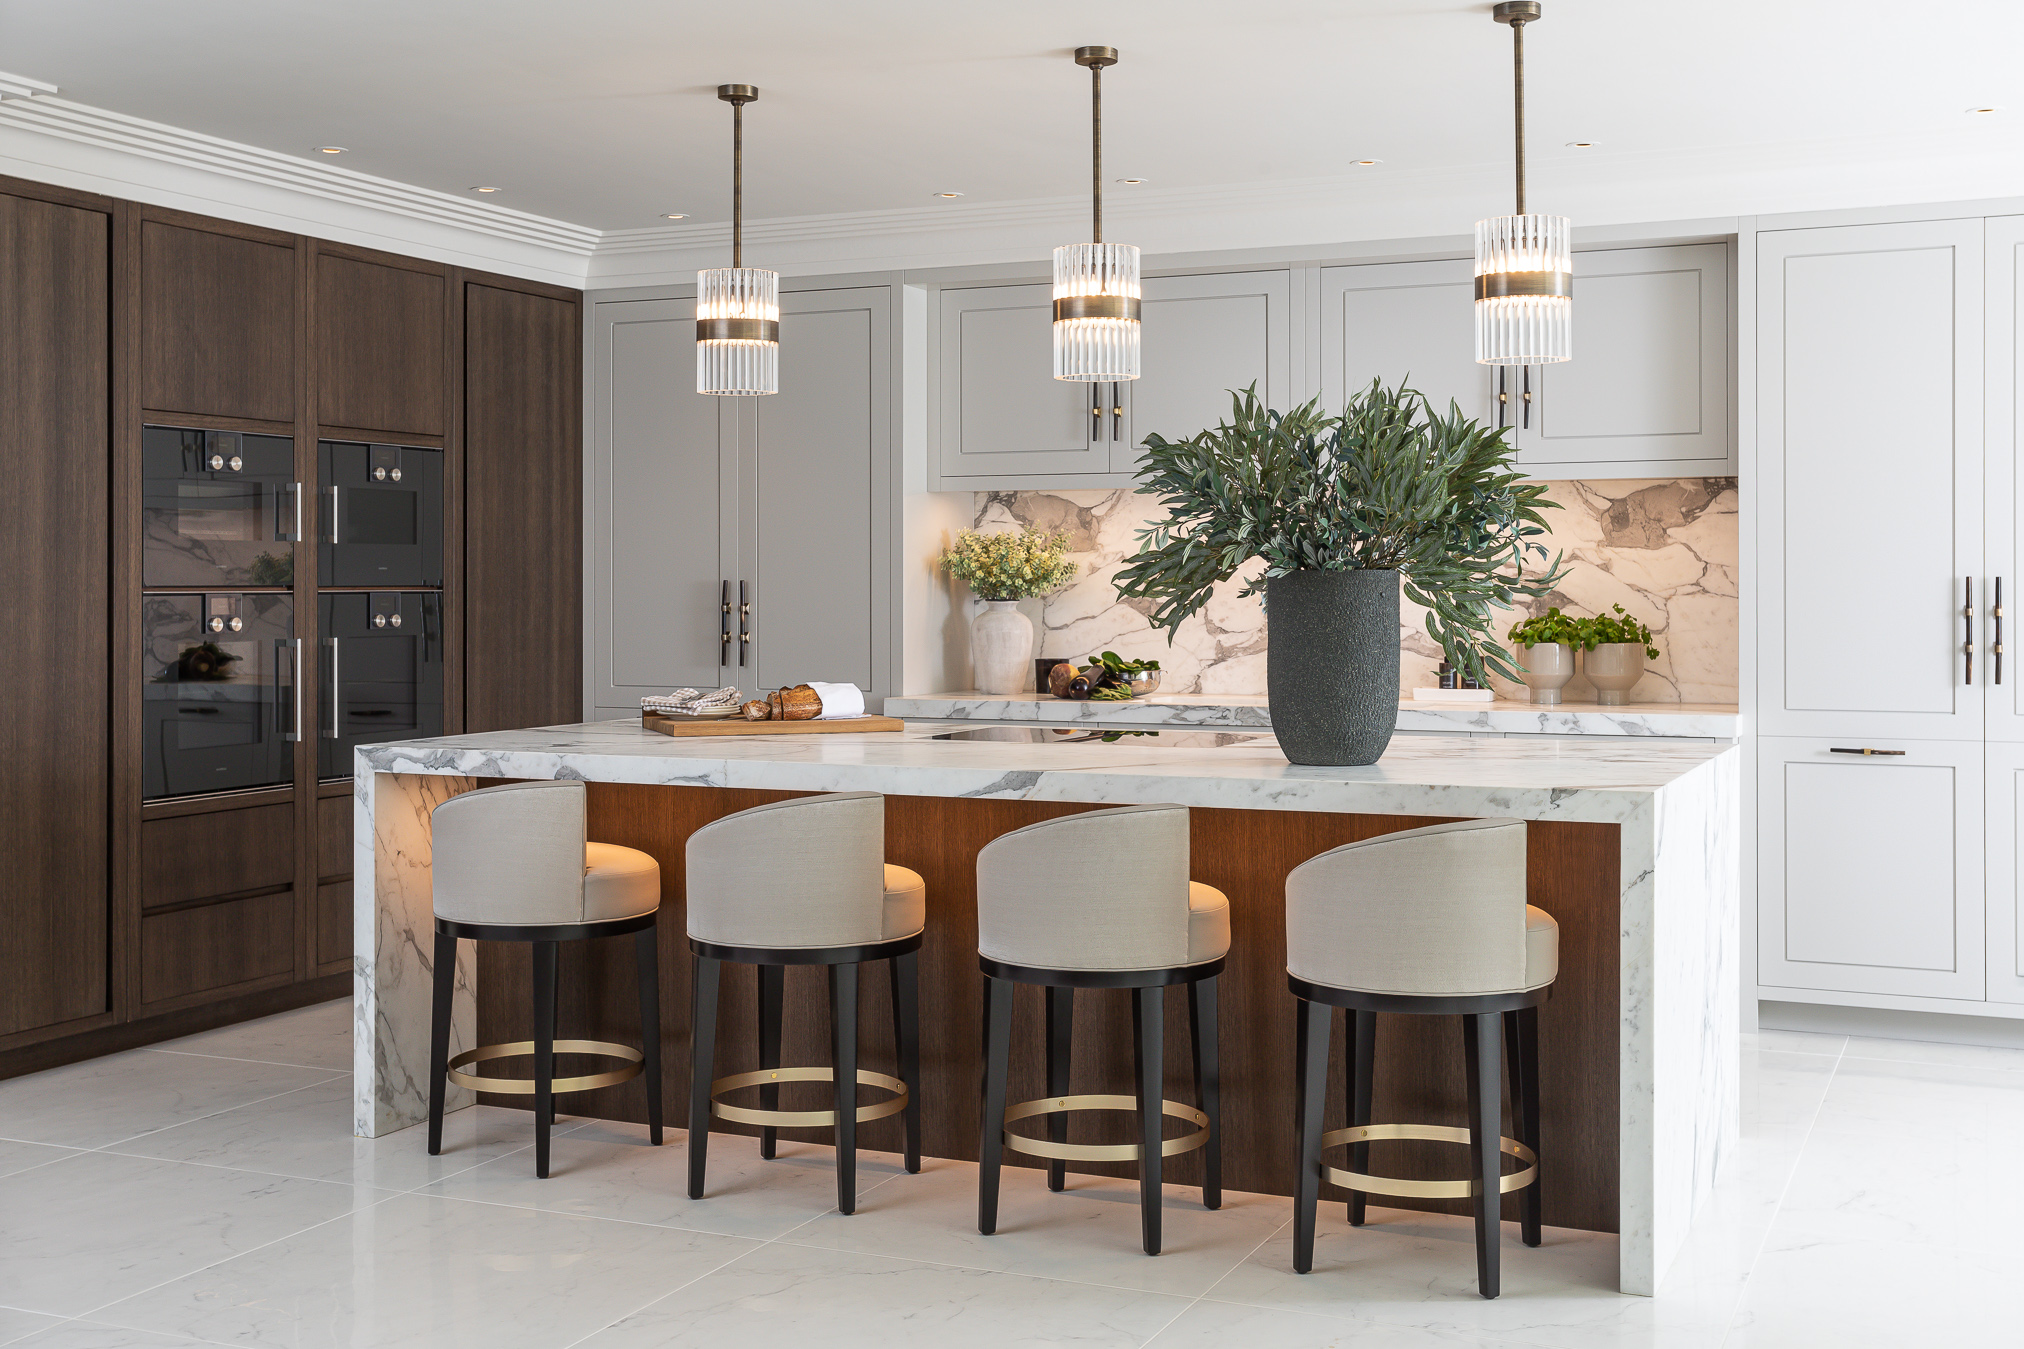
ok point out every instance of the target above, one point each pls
(663, 492)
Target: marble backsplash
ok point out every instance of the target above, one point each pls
(1666, 550)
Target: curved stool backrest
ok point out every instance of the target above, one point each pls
(1103, 890)
(511, 854)
(803, 873)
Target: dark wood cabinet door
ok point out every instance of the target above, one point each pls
(217, 324)
(333, 879)
(523, 525)
(379, 346)
(55, 439)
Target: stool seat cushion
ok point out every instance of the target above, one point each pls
(618, 882)
(1208, 923)
(906, 903)
(1542, 947)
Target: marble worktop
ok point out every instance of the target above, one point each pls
(1708, 721)
(1602, 780)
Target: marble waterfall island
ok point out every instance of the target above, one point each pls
(1633, 846)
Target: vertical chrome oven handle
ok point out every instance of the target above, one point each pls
(296, 537)
(333, 513)
(336, 695)
(295, 680)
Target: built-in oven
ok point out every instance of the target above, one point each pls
(221, 701)
(382, 515)
(382, 671)
(219, 509)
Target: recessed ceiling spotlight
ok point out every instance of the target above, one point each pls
(1131, 182)
(330, 149)
(1366, 163)
(1985, 110)
(1581, 145)
(948, 195)
(677, 215)
(484, 189)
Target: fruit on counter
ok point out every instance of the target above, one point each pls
(1058, 677)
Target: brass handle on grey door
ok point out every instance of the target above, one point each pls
(725, 629)
(1503, 398)
(1116, 413)
(1527, 396)
(1096, 411)
(1996, 612)
(744, 621)
(1968, 628)
(1866, 750)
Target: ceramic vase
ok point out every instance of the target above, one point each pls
(1332, 664)
(1001, 647)
(1614, 668)
(1547, 666)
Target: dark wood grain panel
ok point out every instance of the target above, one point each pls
(217, 323)
(55, 555)
(225, 853)
(333, 837)
(523, 510)
(1247, 854)
(217, 946)
(379, 339)
(333, 922)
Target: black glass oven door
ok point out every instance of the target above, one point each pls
(220, 510)
(382, 515)
(221, 702)
(382, 672)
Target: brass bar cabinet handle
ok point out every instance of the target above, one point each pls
(1887, 753)
(1996, 612)
(1096, 411)
(1116, 413)
(1503, 398)
(1968, 628)
(744, 620)
(725, 629)
(1526, 397)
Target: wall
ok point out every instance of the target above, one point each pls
(1665, 550)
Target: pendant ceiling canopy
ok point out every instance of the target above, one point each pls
(1096, 285)
(1524, 263)
(737, 307)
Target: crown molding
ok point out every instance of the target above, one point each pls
(20, 86)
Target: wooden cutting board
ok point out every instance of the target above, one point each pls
(666, 725)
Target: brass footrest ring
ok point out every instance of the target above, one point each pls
(516, 1086)
(1100, 1152)
(802, 1119)
(1422, 1189)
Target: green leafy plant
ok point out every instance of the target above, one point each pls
(1007, 566)
(1551, 626)
(1391, 484)
(1624, 628)
(1114, 664)
(1586, 633)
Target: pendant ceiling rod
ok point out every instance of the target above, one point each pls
(1096, 58)
(737, 95)
(1518, 15)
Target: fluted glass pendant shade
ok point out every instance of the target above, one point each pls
(1524, 290)
(737, 330)
(1096, 312)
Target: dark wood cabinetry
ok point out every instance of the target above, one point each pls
(218, 310)
(380, 353)
(55, 558)
(333, 882)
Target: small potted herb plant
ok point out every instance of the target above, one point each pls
(1614, 651)
(1002, 569)
(1547, 662)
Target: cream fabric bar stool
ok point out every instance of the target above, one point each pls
(511, 863)
(1430, 922)
(1100, 900)
(804, 882)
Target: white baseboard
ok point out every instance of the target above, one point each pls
(1889, 1024)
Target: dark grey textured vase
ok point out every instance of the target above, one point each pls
(1332, 664)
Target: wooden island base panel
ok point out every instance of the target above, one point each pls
(1244, 853)
(1633, 848)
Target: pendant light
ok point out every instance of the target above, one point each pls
(737, 307)
(1524, 263)
(1096, 285)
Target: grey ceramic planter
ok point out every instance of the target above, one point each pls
(1547, 667)
(1614, 668)
(1332, 664)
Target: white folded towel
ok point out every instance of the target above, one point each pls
(839, 700)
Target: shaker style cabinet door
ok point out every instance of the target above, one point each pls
(2004, 437)
(1869, 396)
(663, 500)
(1002, 411)
(1412, 322)
(1204, 337)
(1870, 867)
(2005, 908)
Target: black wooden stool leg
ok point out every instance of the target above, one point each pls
(1202, 1040)
(997, 1064)
(445, 991)
(1310, 1085)
(702, 1064)
(906, 985)
(1149, 1026)
(1060, 1037)
(1483, 1050)
(1528, 1054)
(1360, 1049)
(772, 994)
(843, 1038)
(546, 959)
(647, 955)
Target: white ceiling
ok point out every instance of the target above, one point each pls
(603, 113)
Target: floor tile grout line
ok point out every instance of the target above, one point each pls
(241, 1058)
(757, 1246)
(195, 1119)
(1213, 1283)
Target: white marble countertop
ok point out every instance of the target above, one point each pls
(1711, 721)
(1598, 780)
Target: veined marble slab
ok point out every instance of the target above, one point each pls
(1676, 803)
(1708, 721)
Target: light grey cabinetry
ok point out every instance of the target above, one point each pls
(1005, 421)
(1646, 395)
(787, 500)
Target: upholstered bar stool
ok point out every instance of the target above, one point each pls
(1100, 900)
(1430, 922)
(511, 863)
(804, 882)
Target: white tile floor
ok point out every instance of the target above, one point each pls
(208, 1192)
